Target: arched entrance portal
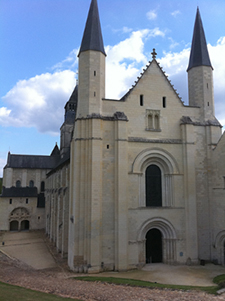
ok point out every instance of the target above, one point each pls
(157, 239)
(19, 219)
(153, 245)
(25, 225)
(14, 226)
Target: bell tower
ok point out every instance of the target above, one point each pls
(200, 75)
(85, 227)
(91, 66)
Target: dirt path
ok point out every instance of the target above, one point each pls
(58, 281)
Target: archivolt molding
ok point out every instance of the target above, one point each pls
(220, 239)
(19, 213)
(155, 156)
(166, 228)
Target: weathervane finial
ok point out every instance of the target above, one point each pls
(154, 54)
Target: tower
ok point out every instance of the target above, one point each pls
(207, 133)
(91, 66)
(86, 152)
(66, 129)
(200, 76)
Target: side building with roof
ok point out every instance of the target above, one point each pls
(32, 183)
(23, 195)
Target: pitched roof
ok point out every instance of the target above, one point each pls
(92, 38)
(55, 151)
(199, 52)
(19, 192)
(71, 107)
(31, 161)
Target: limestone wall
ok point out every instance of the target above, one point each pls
(35, 216)
(57, 208)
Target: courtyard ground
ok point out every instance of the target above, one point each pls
(27, 259)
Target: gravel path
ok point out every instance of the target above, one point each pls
(58, 281)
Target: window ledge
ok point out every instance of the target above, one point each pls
(153, 130)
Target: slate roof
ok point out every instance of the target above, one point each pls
(56, 151)
(199, 52)
(71, 107)
(19, 192)
(61, 161)
(92, 38)
(31, 161)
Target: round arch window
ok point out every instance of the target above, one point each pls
(153, 179)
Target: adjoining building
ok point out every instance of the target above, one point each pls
(136, 180)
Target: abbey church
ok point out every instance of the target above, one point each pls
(135, 180)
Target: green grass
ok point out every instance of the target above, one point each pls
(140, 283)
(220, 280)
(10, 292)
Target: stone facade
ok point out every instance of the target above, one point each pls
(22, 198)
(139, 179)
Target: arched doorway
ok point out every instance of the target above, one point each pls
(19, 219)
(25, 225)
(14, 226)
(153, 245)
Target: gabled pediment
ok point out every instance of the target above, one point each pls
(148, 70)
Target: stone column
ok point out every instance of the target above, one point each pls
(121, 174)
(189, 150)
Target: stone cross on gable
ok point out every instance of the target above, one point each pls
(154, 54)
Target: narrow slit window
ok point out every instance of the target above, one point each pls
(10, 201)
(94, 94)
(94, 73)
(164, 102)
(107, 146)
(141, 100)
(26, 201)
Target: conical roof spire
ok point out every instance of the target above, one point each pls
(92, 38)
(199, 52)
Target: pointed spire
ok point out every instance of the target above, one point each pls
(199, 52)
(92, 38)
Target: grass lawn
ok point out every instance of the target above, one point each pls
(219, 280)
(10, 292)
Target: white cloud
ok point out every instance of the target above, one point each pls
(122, 63)
(2, 165)
(122, 30)
(126, 29)
(175, 65)
(152, 15)
(70, 62)
(175, 13)
(217, 59)
(173, 44)
(4, 112)
(38, 102)
(156, 32)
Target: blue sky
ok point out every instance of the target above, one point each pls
(39, 41)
